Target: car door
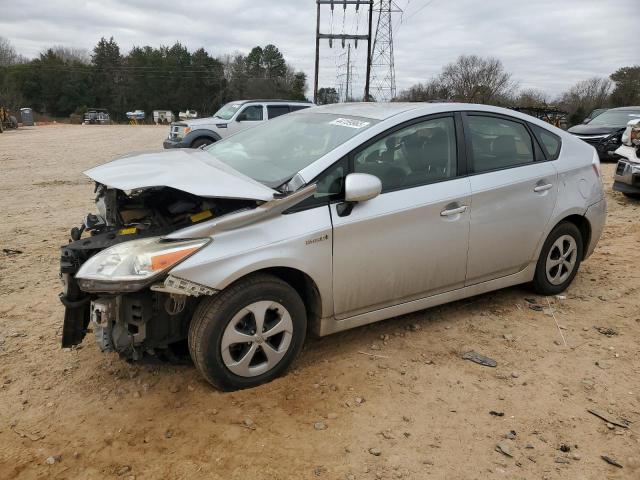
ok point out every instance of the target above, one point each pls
(248, 116)
(514, 191)
(410, 241)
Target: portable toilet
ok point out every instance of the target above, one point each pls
(26, 114)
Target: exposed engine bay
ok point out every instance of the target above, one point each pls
(146, 320)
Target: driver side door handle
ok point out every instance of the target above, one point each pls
(453, 211)
(542, 188)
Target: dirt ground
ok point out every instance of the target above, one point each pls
(396, 398)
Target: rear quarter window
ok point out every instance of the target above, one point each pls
(550, 142)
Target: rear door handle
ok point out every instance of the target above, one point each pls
(453, 211)
(542, 188)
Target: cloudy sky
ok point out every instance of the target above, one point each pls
(546, 44)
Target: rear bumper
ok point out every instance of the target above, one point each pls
(596, 215)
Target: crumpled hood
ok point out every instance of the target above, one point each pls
(193, 171)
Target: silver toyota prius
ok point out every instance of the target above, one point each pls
(320, 221)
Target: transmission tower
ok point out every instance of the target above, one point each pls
(383, 83)
(344, 37)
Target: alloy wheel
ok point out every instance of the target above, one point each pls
(256, 338)
(561, 259)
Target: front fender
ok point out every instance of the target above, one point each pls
(193, 135)
(300, 240)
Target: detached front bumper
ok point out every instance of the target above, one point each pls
(627, 175)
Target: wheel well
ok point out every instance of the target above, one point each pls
(203, 137)
(306, 288)
(583, 225)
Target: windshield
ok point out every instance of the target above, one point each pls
(615, 118)
(228, 111)
(275, 151)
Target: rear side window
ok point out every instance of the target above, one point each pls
(550, 142)
(497, 143)
(277, 110)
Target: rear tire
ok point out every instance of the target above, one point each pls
(201, 142)
(559, 260)
(634, 196)
(226, 342)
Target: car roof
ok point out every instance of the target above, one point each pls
(384, 111)
(376, 111)
(272, 100)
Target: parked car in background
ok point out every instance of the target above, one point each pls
(325, 219)
(187, 114)
(627, 176)
(162, 117)
(97, 116)
(594, 113)
(604, 132)
(137, 115)
(232, 118)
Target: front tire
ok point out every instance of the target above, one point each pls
(201, 142)
(559, 260)
(249, 333)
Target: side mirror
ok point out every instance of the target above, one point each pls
(358, 187)
(586, 120)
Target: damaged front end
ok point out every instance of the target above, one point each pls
(114, 268)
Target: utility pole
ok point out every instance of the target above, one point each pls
(343, 37)
(347, 87)
(382, 63)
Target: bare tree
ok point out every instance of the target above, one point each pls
(71, 54)
(475, 79)
(585, 96)
(531, 97)
(431, 91)
(8, 55)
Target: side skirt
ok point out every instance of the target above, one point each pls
(330, 325)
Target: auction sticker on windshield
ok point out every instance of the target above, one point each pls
(349, 122)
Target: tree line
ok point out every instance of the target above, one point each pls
(62, 81)
(476, 79)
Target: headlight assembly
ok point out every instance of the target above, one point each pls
(131, 265)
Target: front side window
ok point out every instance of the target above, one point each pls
(422, 153)
(252, 113)
(275, 151)
(497, 143)
(330, 186)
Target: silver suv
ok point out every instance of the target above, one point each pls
(324, 220)
(232, 118)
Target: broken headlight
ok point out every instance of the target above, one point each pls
(131, 265)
